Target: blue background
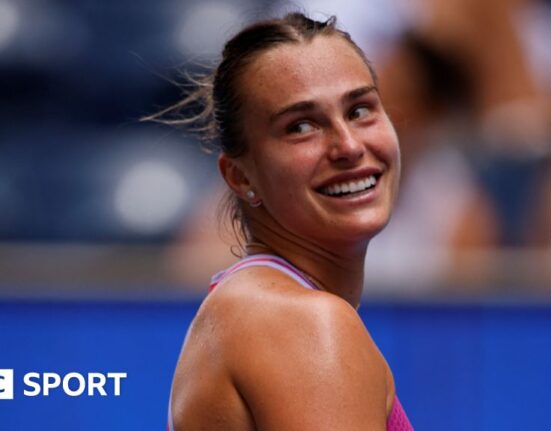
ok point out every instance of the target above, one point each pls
(457, 366)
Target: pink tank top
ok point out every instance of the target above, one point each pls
(397, 420)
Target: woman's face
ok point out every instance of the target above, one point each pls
(323, 156)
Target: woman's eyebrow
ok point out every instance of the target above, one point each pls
(303, 106)
(359, 92)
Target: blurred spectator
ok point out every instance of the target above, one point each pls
(507, 106)
(474, 126)
(441, 208)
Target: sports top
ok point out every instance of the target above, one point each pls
(397, 420)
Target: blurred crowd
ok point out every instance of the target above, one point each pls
(467, 84)
(469, 90)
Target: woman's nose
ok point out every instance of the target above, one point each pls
(344, 145)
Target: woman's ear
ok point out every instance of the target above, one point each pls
(233, 173)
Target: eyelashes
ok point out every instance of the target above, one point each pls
(300, 127)
(360, 112)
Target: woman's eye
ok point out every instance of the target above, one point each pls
(300, 127)
(360, 112)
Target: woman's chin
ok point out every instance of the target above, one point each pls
(354, 234)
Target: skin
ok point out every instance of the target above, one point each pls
(264, 353)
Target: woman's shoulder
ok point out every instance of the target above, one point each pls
(263, 308)
(260, 295)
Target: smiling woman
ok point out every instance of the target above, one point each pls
(313, 121)
(312, 160)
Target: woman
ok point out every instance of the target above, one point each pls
(313, 163)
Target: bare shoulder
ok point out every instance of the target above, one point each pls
(301, 359)
(263, 301)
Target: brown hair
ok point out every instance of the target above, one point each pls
(218, 123)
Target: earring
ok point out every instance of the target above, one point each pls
(251, 195)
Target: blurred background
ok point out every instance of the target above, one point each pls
(108, 225)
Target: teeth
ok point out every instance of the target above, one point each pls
(350, 187)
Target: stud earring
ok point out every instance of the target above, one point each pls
(251, 195)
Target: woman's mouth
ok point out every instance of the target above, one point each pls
(349, 188)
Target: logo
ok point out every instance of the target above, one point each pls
(71, 384)
(6, 384)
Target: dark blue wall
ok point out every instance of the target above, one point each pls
(457, 367)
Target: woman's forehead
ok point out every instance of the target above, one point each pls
(304, 70)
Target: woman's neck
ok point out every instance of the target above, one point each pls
(335, 268)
